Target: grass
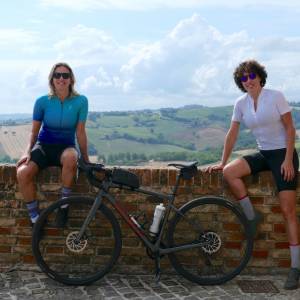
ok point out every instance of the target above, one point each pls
(122, 145)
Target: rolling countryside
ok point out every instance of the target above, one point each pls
(137, 137)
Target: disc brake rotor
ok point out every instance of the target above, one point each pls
(75, 244)
(213, 242)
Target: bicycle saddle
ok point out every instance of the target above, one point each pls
(184, 165)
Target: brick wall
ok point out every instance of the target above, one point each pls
(270, 254)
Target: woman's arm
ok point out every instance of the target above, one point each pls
(287, 168)
(35, 129)
(229, 143)
(82, 140)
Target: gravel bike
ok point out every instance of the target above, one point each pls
(206, 239)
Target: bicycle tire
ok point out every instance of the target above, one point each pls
(73, 262)
(223, 227)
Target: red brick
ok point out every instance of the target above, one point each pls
(232, 245)
(155, 177)
(284, 263)
(172, 177)
(5, 249)
(260, 253)
(256, 200)
(197, 178)
(215, 179)
(231, 227)
(276, 209)
(280, 228)
(28, 259)
(281, 245)
(163, 177)
(56, 250)
(146, 178)
(23, 222)
(4, 230)
(24, 241)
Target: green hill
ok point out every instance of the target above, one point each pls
(132, 137)
(188, 133)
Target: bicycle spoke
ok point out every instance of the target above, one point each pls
(225, 248)
(71, 259)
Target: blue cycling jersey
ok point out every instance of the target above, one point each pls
(59, 118)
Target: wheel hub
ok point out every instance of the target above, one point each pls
(212, 242)
(75, 244)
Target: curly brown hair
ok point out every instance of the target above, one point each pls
(249, 66)
(72, 91)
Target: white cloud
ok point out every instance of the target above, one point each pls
(100, 80)
(156, 4)
(194, 59)
(21, 82)
(89, 44)
(18, 39)
(194, 64)
(191, 64)
(33, 80)
(92, 49)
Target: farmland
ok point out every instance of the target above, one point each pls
(13, 140)
(134, 137)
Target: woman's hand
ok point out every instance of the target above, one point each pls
(287, 170)
(209, 169)
(23, 160)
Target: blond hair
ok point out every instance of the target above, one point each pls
(72, 91)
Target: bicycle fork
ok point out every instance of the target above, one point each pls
(91, 214)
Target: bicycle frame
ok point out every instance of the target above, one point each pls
(181, 229)
(123, 212)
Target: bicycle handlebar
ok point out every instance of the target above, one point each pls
(87, 167)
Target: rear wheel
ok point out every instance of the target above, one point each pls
(67, 259)
(222, 230)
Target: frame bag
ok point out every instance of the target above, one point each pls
(123, 177)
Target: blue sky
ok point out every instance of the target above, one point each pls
(136, 54)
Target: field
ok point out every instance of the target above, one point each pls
(14, 139)
(187, 133)
(122, 145)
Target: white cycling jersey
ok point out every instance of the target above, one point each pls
(265, 123)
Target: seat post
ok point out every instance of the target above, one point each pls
(177, 183)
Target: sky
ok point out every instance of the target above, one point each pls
(146, 54)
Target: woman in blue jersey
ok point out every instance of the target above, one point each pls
(57, 118)
(267, 114)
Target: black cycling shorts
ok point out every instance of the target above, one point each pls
(46, 155)
(272, 160)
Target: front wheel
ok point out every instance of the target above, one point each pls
(70, 260)
(221, 231)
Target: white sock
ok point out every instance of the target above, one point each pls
(247, 207)
(65, 192)
(295, 256)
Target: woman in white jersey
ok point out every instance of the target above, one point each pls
(267, 114)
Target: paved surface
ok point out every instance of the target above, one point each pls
(29, 285)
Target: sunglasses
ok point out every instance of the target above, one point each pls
(57, 75)
(251, 76)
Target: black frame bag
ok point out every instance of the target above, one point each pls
(123, 177)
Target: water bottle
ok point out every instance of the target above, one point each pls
(158, 214)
